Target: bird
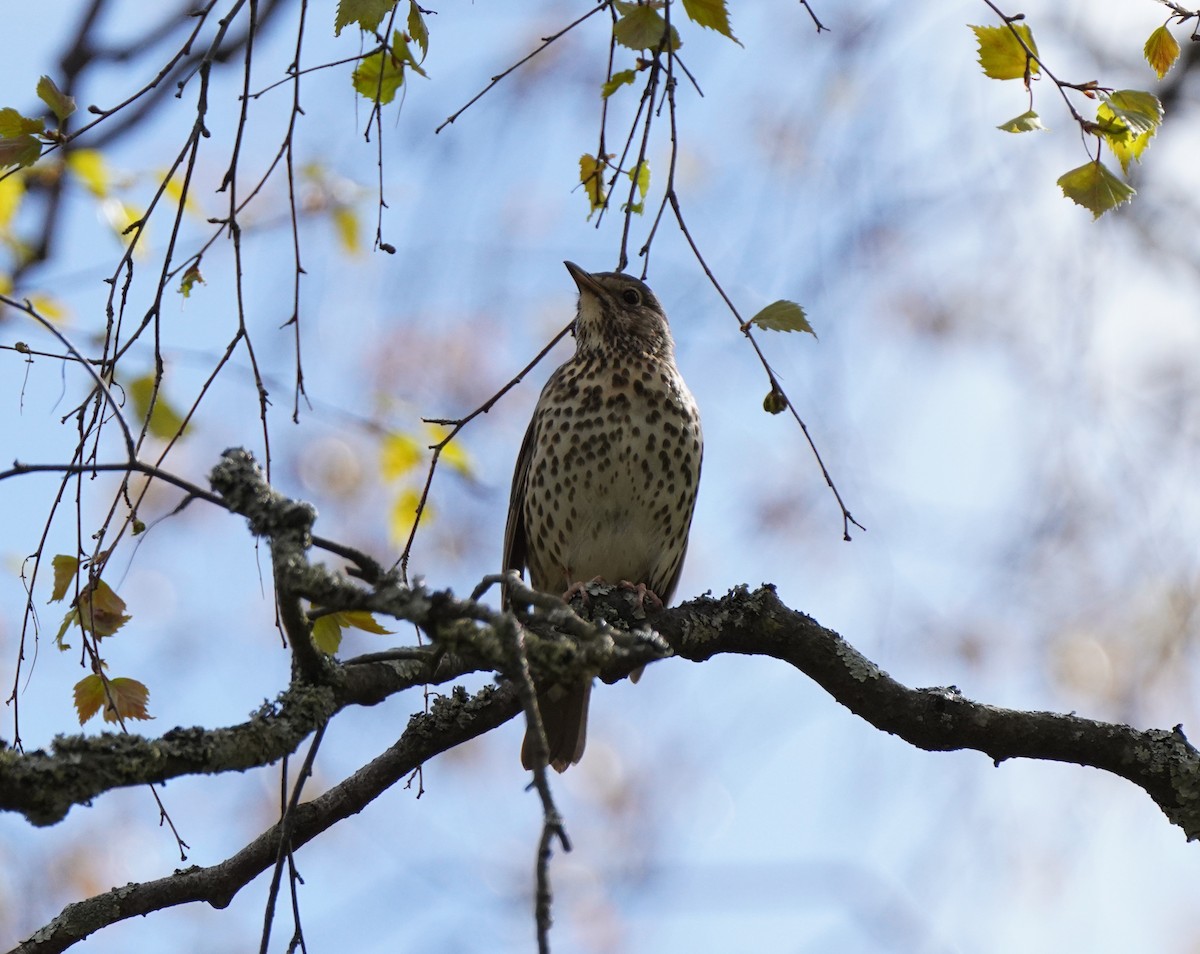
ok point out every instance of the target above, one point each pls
(605, 482)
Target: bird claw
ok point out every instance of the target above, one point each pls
(579, 588)
(643, 593)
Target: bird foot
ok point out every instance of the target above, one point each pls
(643, 593)
(579, 588)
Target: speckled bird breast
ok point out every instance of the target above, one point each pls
(613, 475)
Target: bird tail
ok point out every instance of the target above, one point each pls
(564, 717)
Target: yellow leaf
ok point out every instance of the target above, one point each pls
(1001, 54)
(12, 191)
(361, 619)
(1161, 51)
(65, 568)
(90, 168)
(398, 455)
(327, 633)
(454, 454)
(163, 420)
(1121, 140)
(174, 189)
(591, 175)
(327, 630)
(345, 219)
(404, 511)
(48, 307)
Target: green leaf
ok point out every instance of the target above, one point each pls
(642, 28)
(417, 28)
(639, 175)
(1001, 54)
(380, 74)
(164, 421)
(616, 81)
(59, 102)
(378, 77)
(1026, 122)
(20, 151)
(1095, 188)
(13, 124)
(783, 315)
(191, 278)
(65, 568)
(1137, 109)
(712, 14)
(368, 14)
(775, 402)
(1161, 51)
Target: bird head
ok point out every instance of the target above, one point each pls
(618, 312)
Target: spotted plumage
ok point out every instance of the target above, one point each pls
(606, 478)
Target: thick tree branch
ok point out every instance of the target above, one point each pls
(451, 720)
(557, 644)
(1161, 762)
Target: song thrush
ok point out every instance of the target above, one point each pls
(606, 478)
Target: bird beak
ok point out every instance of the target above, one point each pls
(585, 280)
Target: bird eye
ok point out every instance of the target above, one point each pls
(631, 297)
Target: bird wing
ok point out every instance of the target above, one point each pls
(516, 546)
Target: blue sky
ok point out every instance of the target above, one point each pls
(1000, 390)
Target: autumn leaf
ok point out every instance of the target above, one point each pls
(1161, 51)
(162, 420)
(399, 454)
(123, 698)
(404, 512)
(327, 630)
(454, 454)
(90, 168)
(1001, 54)
(591, 176)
